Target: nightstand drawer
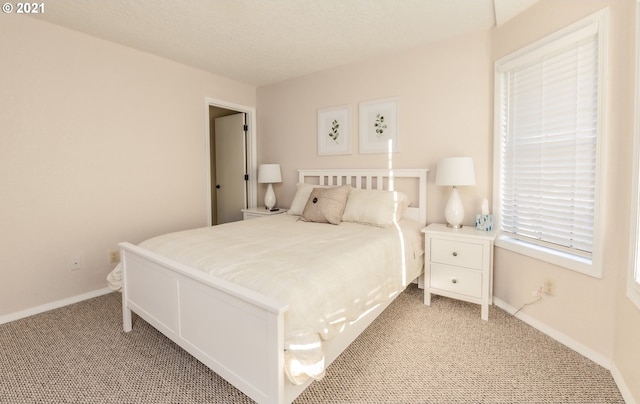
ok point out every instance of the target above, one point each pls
(468, 255)
(451, 279)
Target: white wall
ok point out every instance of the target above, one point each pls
(99, 144)
(444, 110)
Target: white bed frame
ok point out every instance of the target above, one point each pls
(236, 332)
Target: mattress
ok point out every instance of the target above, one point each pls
(328, 274)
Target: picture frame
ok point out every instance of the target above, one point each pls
(333, 131)
(379, 126)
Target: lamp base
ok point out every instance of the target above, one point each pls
(269, 197)
(454, 212)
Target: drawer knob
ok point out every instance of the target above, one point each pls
(454, 280)
(455, 254)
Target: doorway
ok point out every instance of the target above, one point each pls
(229, 168)
(231, 182)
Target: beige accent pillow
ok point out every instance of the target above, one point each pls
(374, 207)
(301, 197)
(326, 205)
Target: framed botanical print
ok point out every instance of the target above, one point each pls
(379, 126)
(333, 131)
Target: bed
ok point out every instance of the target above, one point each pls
(258, 315)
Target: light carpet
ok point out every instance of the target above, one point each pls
(443, 353)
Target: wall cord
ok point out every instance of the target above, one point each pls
(527, 304)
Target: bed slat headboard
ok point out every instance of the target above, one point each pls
(379, 179)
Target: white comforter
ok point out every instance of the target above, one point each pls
(329, 275)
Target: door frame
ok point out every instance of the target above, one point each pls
(252, 153)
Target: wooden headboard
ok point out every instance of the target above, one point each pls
(412, 182)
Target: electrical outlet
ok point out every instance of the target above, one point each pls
(114, 256)
(549, 287)
(74, 263)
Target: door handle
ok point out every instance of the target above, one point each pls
(217, 186)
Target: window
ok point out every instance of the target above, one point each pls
(548, 134)
(633, 281)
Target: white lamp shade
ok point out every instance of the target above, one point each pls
(269, 173)
(455, 171)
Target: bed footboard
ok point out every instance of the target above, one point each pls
(236, 332)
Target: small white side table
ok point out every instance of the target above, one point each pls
(459, 265)
(260, 211)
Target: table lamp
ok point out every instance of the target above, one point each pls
(455, 172)
(269, 174)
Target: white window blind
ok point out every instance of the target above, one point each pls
(549, 129)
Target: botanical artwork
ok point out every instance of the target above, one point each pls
(379, 126)
(333, 131)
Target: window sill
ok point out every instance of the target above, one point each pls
(555, 257)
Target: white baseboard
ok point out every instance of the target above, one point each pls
(53, 305)
(622, 386)
(572, 344)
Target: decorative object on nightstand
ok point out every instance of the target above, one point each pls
(484, 221)
(261, 211)
(269, 174)
(455, 172)
(459, 265)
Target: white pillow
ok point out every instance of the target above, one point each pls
(301, 197)
(374, 207)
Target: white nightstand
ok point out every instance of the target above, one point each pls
(459, 264)
(261, 211)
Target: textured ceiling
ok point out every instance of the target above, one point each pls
(261, 42)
